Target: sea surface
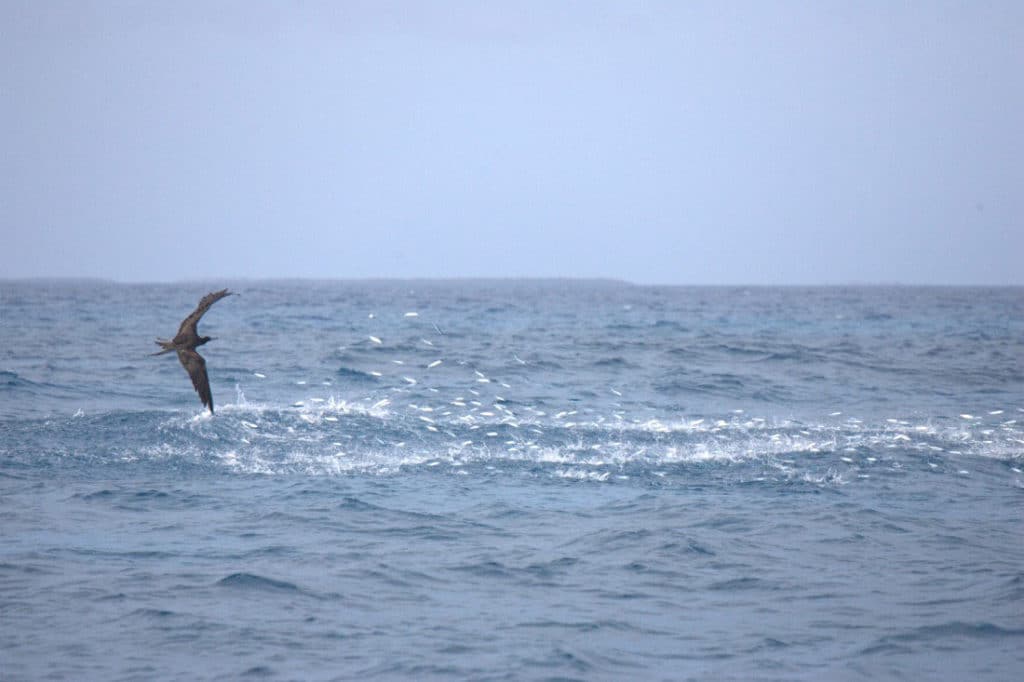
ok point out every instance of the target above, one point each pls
(491, 480)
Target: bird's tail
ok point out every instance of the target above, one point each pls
(166, 345)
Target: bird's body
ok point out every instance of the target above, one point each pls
(185, 343)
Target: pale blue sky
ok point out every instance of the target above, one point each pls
(675, 142)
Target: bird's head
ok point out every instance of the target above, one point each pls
(205, 339)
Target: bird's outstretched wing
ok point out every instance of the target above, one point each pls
(204, 305)
(195, 365)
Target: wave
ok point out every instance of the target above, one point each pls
(15, 383)
(951, 634)
(250, 581)
(388, 436)
(349, 374)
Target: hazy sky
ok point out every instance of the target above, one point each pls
(676, 142)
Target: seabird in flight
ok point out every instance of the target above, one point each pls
(185, 344)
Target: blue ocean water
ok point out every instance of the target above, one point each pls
(513, 481)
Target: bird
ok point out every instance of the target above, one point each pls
(185, 343)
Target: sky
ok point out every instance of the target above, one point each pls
(657, 142)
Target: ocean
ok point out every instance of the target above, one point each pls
(512, 480)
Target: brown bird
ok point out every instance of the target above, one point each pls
(185, 344)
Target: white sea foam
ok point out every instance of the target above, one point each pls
(582, 437)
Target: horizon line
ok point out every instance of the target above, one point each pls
(499, 279)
